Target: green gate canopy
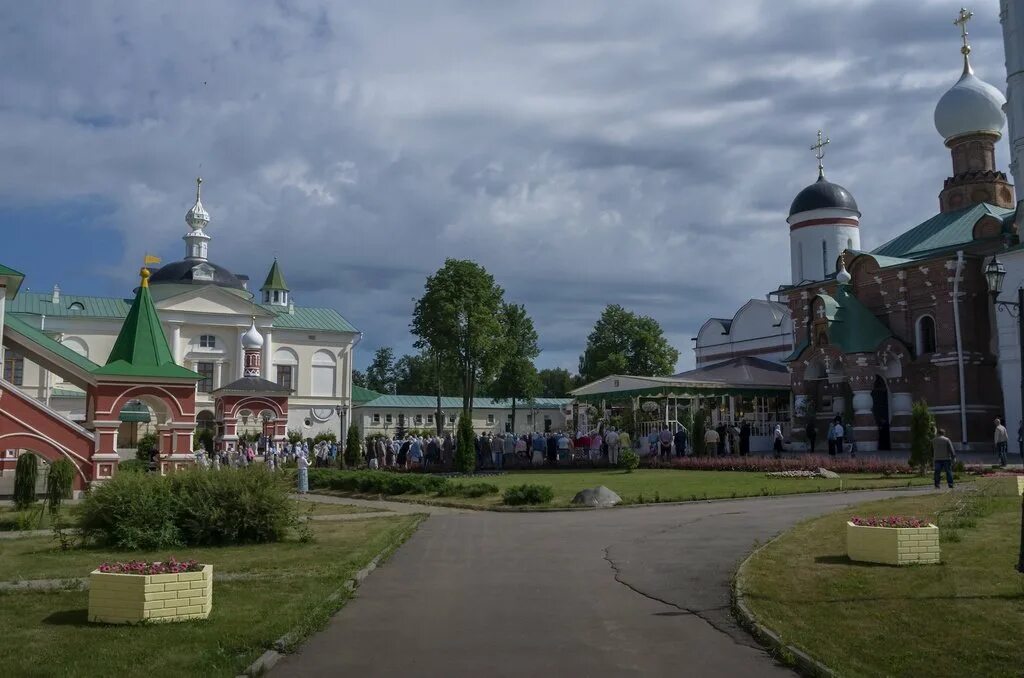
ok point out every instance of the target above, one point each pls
(135, 411)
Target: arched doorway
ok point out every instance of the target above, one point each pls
(880, 409)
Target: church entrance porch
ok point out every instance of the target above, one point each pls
(880, 411)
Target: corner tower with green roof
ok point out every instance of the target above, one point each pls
(141, 348)
(275, 289)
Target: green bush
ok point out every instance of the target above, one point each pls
(147, 445)
(517, 495)
(59, 482)
(294, 436)
(204, 438)
(26, 472)
(188, 508)
(465, 450)
(328, 436)
(469, 490)
(628, 460)
(133, 466)
(375, 482)
(922, 430)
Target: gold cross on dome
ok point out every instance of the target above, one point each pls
(819, 152)
(961, 20)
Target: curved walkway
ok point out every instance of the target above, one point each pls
(625, 592)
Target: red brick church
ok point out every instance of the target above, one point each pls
(912, 319)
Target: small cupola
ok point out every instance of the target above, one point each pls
(275, 289)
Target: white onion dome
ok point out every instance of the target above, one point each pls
(197, 217)
(843, 277)
(970, 106)
(252, 339)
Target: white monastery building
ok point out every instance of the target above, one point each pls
(205, 310)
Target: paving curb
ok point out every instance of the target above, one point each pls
(803, 663)
(271, 657)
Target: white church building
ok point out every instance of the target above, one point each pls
(205, 310)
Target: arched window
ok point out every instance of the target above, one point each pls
(77, 345)
(286, 363)
(925, 335)
(824, 260)
(14, 367)
(799, 262)
(322, 374)
(849, 244)
(76, 306)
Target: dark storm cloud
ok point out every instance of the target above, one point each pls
(586, 153)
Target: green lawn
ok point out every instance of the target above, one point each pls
(963, 617)
(46, 634)
(661, 485)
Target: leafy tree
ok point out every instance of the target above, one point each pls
(555, 382)
(353, 446)
(458, 321)
(147, 445)
(418, 375)
(59, 482)
(625, 343)
(380, 375)
(25, 474)
(517, 377)
(922, 430)
(359, 378)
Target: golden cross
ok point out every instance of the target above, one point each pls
(819, 152)
(961, 21)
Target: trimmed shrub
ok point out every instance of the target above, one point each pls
(922, 430)
(353, 446)
(147, 445)
(26, 472)
(465, 450)
(628, 460)
(469, 490)
(375, 482)
(188, 508)
(59, 482)
(518, 495)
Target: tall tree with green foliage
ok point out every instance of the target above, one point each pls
(359, 378)
(59, 482)
(353, 446)
(625, 343)
(922, 430)
(458, 320)
(517, 377)
(555, 382)
(26, 472)
(465, 446)
(380, 375)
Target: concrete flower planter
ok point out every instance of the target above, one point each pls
(892, 545)
(132, 598)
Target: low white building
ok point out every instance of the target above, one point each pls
(204, 310)
(388, 414)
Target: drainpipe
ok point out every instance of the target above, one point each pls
(960, 348)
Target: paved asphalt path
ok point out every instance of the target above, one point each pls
(622, 592)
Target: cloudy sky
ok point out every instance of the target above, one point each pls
(585, 152)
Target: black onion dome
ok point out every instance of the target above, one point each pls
(823, 194)
(180, 273)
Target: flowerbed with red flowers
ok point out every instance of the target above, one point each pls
(888, 521)
(169, 566)
(801, 463)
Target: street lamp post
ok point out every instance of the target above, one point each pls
(995, 272)
(342, 441)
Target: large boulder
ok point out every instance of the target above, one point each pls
(599, 496)
(825, 473)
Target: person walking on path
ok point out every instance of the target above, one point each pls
(943, 455)
(711, 439)
(303, 474)
(1001, 439)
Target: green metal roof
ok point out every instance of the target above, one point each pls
(363, 395)
(943, 231)
(307, 318)
(275, 279)
(851, 325)
(67, 391)
(14, 280)
(450, 403)
(134, 411)
(141, 349)
(39, 303)
(797, 351)
(40, 338)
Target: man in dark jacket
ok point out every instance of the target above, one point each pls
(744, 438)
(680, 441)
(812, 435)
(552, 450)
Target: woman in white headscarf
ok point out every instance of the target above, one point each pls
(777, 441)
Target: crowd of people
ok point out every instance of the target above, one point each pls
(273, 456)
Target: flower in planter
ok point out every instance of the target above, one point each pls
(170, 566)
(888, 521)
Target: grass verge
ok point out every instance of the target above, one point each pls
(293, 596)
(962, 617)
